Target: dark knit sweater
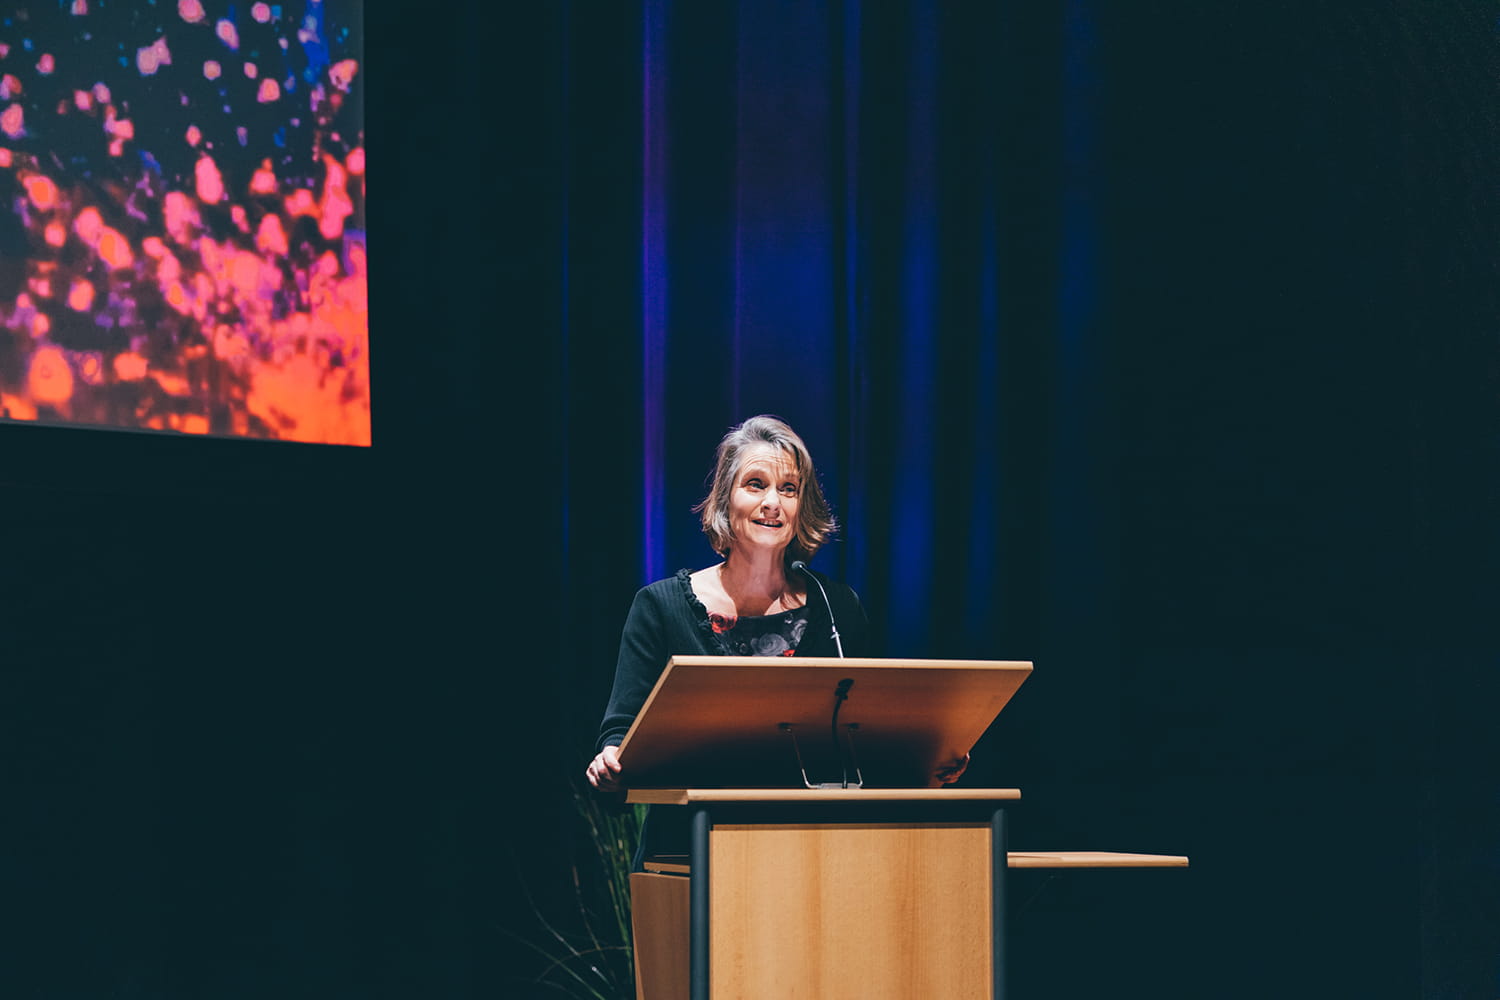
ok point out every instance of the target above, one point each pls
(667, 620)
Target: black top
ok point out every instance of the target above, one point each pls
(667, 620)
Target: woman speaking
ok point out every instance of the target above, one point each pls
(764, 513)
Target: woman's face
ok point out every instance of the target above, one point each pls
(763, 503)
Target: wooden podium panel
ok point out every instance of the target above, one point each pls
(826, 893)
(659, 922)
(896, 911)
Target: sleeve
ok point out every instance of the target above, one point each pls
(643, 654)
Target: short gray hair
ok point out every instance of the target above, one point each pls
(815, 523)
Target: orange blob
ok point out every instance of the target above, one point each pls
(153, 247)
(244, 273)
(81, 295)
(5, 157)
(300, 202)
(115, 249)
(91, 367)
(168, 268)
(50, 379)
(355, 163)
(327, 265)
(336, 205)
(120, 128)
(180, 216)
(203, 291)
(101, 93)
(80, 7)
(190, 11)
(341, 74)
(228, 33)
(263, 181)
(83, 100)
(209, 181)
(271, 236)
(17, 408)
(194, 135)
(130, 367)
(9, 87)
(41, 191)
(269, 91)
(13, 121)
(89, 226)
(56, 234)
(174, 385)
(177, 298)
(252, 70)
(46, 64)
(261, 12)
(230, 343)
(212, 70)
(41, 325)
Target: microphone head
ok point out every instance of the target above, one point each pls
(799, 565)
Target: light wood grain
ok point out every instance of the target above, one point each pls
(659, 923)
(1092, 859)
(714, 721)
(860, 911)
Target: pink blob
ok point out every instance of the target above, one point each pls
(13, 121)
(210, 182)
(152, 57)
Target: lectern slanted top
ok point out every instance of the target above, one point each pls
(730, 721)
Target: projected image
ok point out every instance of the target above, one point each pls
(182, 246)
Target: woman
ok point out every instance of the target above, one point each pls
(763, 512)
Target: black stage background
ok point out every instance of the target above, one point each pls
(285, 721)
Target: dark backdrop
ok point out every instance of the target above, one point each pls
(1154, 343)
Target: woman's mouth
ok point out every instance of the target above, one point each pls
(767, 524)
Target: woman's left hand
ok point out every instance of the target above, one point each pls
(953, 770)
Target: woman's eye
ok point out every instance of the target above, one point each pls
(789, 490)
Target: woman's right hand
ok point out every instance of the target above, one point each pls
(604, 772)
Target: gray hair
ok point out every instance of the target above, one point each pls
(815, 523)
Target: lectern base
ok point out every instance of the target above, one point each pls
(865, 911)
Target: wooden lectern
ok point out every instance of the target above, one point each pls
(796, 885)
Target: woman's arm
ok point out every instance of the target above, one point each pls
(642, 656)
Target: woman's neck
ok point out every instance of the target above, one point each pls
(755, 582)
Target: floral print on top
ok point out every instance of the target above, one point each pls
(759, 635)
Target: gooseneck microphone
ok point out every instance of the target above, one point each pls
(801, 567)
